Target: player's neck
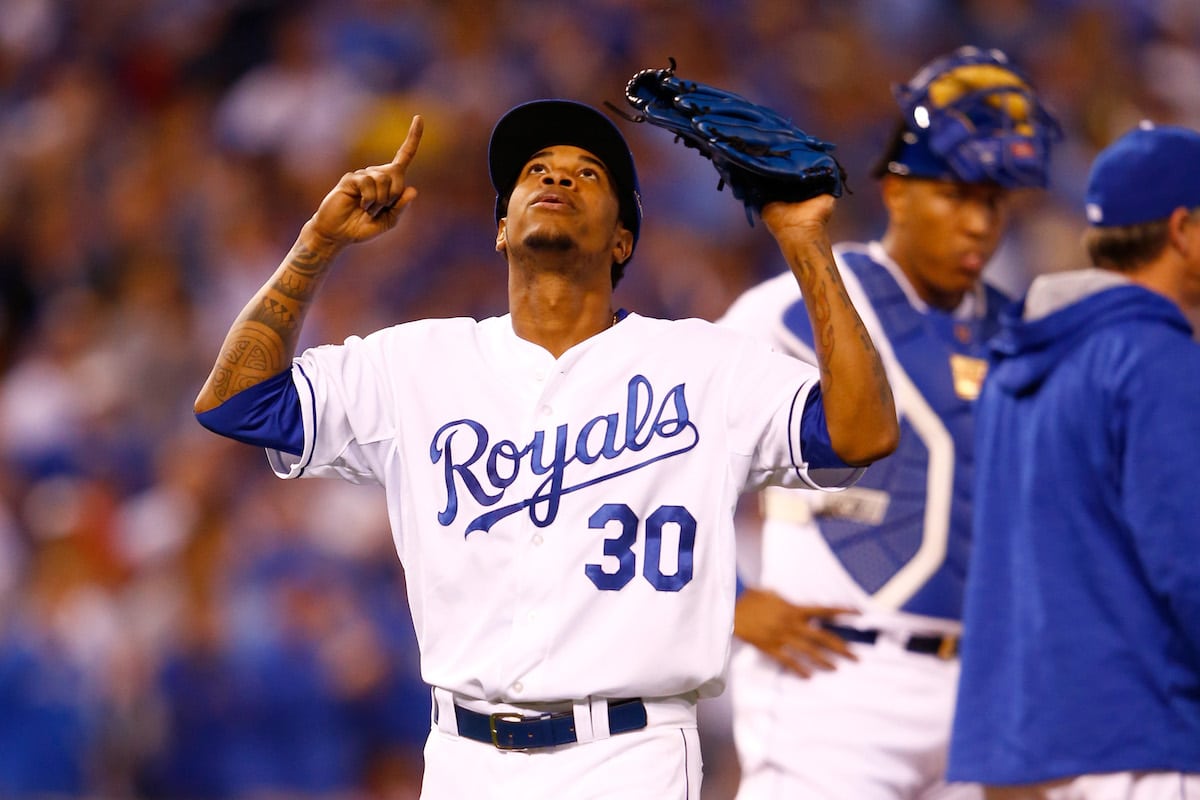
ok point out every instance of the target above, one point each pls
(935, 298)
(557, 313)
(1168, 276)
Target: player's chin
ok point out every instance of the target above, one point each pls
(955, 283)
(968, 278)
(965, 274)
(548, 240)
(971, 264)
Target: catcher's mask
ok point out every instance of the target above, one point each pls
(971, 116)
(533, 126)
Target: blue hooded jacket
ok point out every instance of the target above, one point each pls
(1081, 649)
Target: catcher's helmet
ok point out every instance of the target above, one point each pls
(972, 116)
(530, 127)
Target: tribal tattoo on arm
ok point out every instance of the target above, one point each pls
(263, 340)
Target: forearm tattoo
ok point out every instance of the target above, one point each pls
(877, 372)
(252, 354)
(262, 343)
(821, 314)
(303, 273)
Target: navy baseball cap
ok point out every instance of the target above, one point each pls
(1144, 176)
(534, 126)
(971, 116)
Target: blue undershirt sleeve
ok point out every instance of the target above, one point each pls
(814, 435)
(265, 415)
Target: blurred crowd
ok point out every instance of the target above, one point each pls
(175, 622)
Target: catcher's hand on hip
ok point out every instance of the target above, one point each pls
(369, 201)
(789, 633)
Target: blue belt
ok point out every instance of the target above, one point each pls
(944, 647)
(515, 732)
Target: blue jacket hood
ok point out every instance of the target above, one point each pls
(1026, 351)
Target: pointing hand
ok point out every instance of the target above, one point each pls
(369, 201)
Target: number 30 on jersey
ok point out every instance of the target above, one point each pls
(621, 547)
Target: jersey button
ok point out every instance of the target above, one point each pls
(518, 687)
(537, 539)
(546, 411)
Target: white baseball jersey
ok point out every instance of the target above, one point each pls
(892, 547)
(565, 525)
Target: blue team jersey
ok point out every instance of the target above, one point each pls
(1081, 644)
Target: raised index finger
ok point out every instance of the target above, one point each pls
(404, 155)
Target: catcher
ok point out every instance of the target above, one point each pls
(561, 479)
(848, 688)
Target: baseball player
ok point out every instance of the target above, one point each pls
(848, 689)
(560, 480)
(1081, 654)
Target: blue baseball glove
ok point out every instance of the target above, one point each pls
(759, 154)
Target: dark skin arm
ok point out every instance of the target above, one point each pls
(788, 633)
(263, 339)
(859, 408)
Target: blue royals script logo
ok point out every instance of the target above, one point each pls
(649, 429)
